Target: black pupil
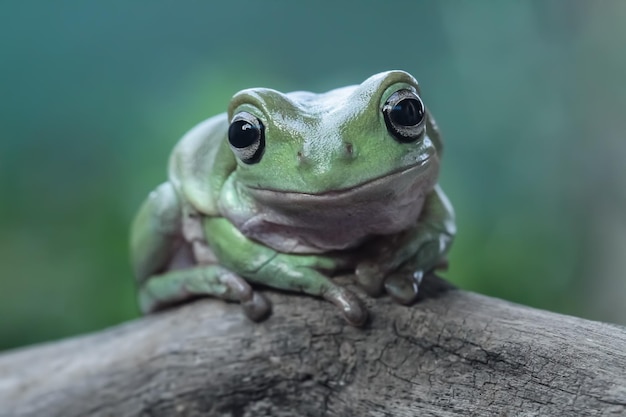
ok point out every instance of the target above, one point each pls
(407, 112)
(242, 134)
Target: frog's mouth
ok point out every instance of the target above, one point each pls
(396, 185)
(300, 222)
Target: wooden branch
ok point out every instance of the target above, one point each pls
(452, 354)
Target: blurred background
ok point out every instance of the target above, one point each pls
(530, 97)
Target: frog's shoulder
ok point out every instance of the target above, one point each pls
(201, 162)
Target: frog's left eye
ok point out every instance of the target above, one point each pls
(404, 115)
(246, 136)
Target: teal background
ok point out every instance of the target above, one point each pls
(530, 97)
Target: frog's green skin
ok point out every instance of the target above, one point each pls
(333, 191)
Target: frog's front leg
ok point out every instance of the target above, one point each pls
(166, 267)
(399, 261)
(263, 265)
(203, 280)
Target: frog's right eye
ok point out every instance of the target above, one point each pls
(405, 115)
(246, 136)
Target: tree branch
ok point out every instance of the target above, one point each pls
(453, 353)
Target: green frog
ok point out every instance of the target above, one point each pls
(289, 190)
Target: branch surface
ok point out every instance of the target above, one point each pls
(453, 353)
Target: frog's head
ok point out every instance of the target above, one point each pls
(371, 137)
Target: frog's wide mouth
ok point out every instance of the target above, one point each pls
(378, 187)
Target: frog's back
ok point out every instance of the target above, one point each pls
(201, 162)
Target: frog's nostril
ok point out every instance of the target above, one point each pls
(302, 159)
(349, 150)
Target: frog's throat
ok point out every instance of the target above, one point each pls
(377, 187)
(296, 222)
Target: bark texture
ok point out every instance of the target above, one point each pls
(454, 353)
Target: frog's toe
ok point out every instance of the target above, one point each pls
(403, 286)
(257, 308)
(370, 278)
(351, 306)
(237, 287)
(356, 315)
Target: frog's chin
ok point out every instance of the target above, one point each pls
(386, 188)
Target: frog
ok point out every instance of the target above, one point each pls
(287, 191)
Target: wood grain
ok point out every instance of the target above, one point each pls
(454, 353)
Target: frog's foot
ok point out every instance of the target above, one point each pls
(301, 273)
(211, 280)
(400, 273)
(403, 284)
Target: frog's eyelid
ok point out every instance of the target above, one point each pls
(398, 86)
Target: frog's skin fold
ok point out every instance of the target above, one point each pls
(286, 190)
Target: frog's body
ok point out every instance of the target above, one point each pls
(286, 189)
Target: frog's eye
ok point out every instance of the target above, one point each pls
(246, 135)
(404, 115)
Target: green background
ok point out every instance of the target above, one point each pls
(530, 96)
